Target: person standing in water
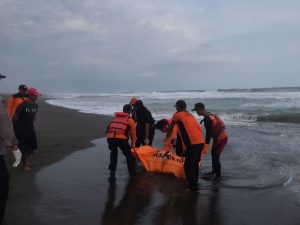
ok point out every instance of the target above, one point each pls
(191, 139)
(145, 124)
(118, 131)
(215, 129)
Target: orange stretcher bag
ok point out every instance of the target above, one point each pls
(156, 160)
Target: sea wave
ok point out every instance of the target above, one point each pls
(189, 95)
(280, 118)
(251, 90)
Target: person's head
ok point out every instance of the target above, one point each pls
(180, 105)
(162, 125)
(33, 94)
(199, 108)
(132, 101)
(23, 90)
(127, 108)
(138, 104)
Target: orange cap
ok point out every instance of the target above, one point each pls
(132, 101)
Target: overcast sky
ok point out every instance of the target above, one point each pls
(134, 45)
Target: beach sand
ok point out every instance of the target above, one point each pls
(60, 131)
(68, 186)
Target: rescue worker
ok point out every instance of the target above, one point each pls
(16, 99)
(191, 139)
(215, 129)
(163, 125)
(23, 121)
(8, 141)
(118, 131)
(133, 111)
(145, 124)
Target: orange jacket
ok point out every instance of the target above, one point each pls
(189, 129)
(13, 102)
(131, 131)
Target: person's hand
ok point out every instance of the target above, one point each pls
(133, 145)
(205, 149)
(14, 148)
(146, 141)
(17, 155)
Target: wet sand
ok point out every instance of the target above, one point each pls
(60, 131)
(258, 187)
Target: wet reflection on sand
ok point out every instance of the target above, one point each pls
(78, 190)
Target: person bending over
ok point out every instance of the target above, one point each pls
(118, 131)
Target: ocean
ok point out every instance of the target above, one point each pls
(260, 166)
(233, 105)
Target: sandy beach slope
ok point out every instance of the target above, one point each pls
(60, 132)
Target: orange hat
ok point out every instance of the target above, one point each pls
(132, 101)
(33, 91)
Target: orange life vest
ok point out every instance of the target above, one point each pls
(13, 103)
(119, 123)
(189, 129)
(218, 125)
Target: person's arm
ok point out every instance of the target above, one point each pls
(6, 130)
(170, 129)
(10, 106)
(16, 116)
(147, 131)
(208, 126)
(132, 132)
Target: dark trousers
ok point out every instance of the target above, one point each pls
(191, 165)
(113, 144)
(4, 185)
(216, 151)
(140, 134)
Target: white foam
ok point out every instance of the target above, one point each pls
(190, 95)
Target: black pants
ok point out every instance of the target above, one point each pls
(113, 144)
(216, 164)
(140, 134)
(4, 185)
(191, 165)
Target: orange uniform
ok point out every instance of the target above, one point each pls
(13, 102)
(189, 129)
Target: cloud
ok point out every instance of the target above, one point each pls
(119, 40)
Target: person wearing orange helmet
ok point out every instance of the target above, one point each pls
(215, 129)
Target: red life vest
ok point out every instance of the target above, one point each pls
(218, 125)
(119, 123)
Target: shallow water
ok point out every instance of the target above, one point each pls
(260, 185)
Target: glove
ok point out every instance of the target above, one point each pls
(18, 155)
(205, 149)
(146, 141)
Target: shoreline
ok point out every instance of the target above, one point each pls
(60, 132)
